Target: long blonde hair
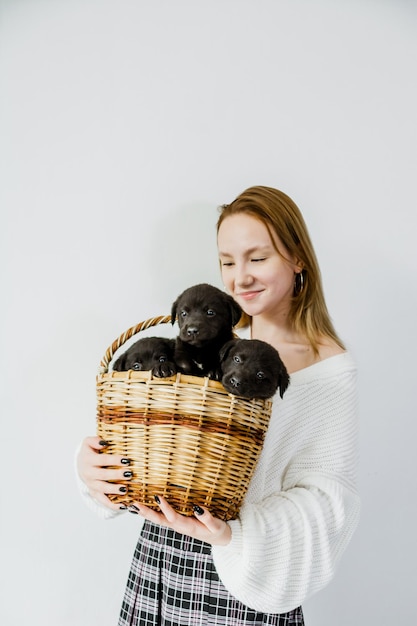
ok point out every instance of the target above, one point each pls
(308, 314)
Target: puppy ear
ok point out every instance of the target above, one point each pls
(170, 347)
(119, 365)
(235, 310)
(174, 311)
(284, 380)
(225, 349)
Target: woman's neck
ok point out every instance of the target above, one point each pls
(295, 350)
(273, 330)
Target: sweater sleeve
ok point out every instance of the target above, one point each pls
(302, 508)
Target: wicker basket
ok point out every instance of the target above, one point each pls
(188, 438)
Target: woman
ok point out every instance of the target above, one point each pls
(301, 507)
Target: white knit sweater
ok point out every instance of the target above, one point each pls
(302, 506)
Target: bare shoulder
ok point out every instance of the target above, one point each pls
(328, 348)
(297, 352)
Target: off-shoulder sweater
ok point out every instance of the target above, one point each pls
(302, 506)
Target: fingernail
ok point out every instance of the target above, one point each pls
(123, 489)
(128, 474)
(197, 509)
(133, 509)
(157, 500)
(125, 461)
(103, 443)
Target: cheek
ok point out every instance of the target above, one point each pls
(282, 276)
(227, 278)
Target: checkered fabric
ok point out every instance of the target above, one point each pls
(173, 582)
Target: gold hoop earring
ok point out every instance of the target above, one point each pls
(298, 283)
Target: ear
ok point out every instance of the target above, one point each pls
(174, 311)
(225, 349)
(171, 346)
(284, 381)
(235, 310)
(119, 365)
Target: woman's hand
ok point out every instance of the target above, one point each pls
(96, 469)
(203, 526)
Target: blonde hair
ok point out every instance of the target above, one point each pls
(308, 314)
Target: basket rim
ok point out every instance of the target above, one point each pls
(147, 377)
(128, 334)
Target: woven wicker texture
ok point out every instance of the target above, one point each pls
(188, 439)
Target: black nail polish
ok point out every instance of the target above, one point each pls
(123, 507)
(197, 509)
(122, 489)
(128, 474)
(157, 500)
(103, 443)
(125, 461)
(133, 509)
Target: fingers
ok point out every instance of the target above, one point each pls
(201, 526)
(170, 514)
(218, 529)
(102, 473)
(94, 442)
(92, 455)
(213, 524)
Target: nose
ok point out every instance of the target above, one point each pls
(243, 277)
(235, 381)
(192, 331)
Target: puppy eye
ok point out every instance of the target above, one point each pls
(162, 358)
(137, 366)
(237, 359)
(183, 313)
(260, 375)
(211, 312)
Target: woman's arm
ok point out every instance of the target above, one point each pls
(303, 507)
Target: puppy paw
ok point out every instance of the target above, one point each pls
(215, 374)
(164, 370)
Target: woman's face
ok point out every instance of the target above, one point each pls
(253, 272)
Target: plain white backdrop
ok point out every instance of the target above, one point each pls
(123, 125)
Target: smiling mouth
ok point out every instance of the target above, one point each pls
(248, 295)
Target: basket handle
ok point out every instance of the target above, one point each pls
(133, 330)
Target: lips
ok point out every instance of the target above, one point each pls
(248, 295)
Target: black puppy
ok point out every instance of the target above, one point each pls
(206, 316)
(149, 353)
(253, 369)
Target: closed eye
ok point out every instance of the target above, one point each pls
(258, 260)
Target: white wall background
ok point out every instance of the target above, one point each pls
(123, 125)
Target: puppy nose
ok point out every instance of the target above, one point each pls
(235, 381)
(192, 331)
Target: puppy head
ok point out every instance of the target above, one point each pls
(252, 369)
(150, 353)
(204, 314)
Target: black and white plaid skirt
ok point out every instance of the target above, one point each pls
(173, 582)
